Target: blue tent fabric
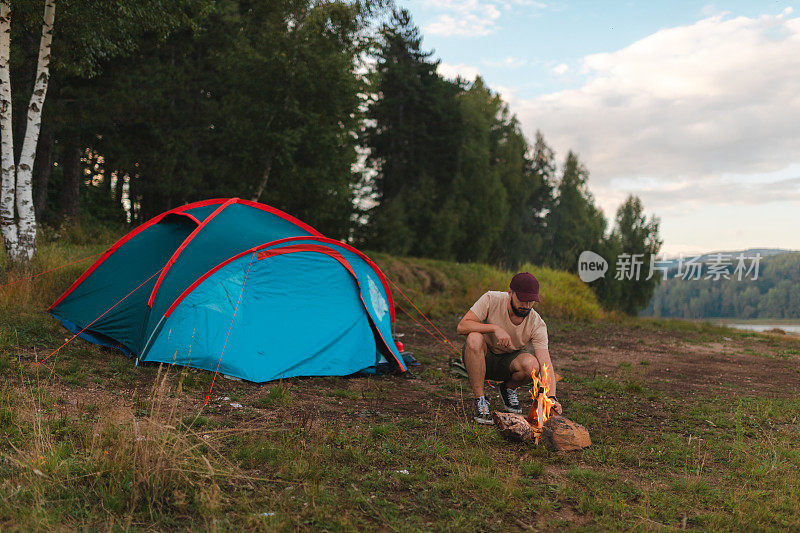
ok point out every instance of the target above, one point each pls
(236, 228)
(238, 287)
(371, 289)
(283, 307)
(94, 337)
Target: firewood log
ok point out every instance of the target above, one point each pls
(563, 434)
(513, 426)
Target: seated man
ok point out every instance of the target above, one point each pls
(502, 329)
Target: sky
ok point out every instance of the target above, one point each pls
(692, 106)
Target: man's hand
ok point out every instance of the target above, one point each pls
(503, 338)
(557, 406)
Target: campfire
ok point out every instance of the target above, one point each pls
(542, 404)
(558, 432)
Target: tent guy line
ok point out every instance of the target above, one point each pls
(98, 318)
(447, 344)
(216, 370)
(51, 270)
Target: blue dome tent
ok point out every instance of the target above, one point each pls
(239, 287)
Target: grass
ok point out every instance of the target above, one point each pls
(57, 466)
(695, 330)
(340, 474)
(278, 396)
(88, 441)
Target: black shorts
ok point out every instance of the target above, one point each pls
(498, 365)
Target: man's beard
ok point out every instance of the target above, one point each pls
(522, 313)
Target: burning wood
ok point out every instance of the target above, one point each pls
(542, 403)
(559, 433)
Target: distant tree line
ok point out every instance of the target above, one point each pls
(328, 110)
(775, 293)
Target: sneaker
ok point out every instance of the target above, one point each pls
(483, 415)
(510, 400)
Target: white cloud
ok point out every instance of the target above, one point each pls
(709, 10)
(507, 62)
(526, 3)
(508, 94)
(466, 18)
(471, 18)
(685, 106)
(450, 71)
(681, 197)
(561, 69)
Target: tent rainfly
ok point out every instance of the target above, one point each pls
(237, 287)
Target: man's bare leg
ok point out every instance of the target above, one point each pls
(475, 362)
(521, 368)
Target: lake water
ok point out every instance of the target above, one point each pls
(788, 328)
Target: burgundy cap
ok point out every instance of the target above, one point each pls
(526, 286)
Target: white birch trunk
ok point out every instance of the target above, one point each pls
(8, 170)
(25, 211)
(264, 180)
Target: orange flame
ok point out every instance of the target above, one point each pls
(542, 403)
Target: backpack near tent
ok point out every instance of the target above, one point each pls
(237, 287)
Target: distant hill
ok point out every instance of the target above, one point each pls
(775, 293)
(707, 257)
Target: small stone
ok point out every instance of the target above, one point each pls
(563, 434)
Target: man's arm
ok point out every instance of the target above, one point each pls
(471, 323)
(543, 356)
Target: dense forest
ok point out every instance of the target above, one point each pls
(328, 110)
(774, 292)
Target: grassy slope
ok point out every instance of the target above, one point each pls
(90, 441)
(441, 288)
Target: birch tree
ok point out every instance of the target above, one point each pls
(17, 217)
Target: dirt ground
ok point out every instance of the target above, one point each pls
(673, 362)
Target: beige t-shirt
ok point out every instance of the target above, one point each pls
(492, 308)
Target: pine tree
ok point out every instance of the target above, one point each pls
(575, 224)
(634, 235)
(528, 183)
(412, 137)
(482, 197)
